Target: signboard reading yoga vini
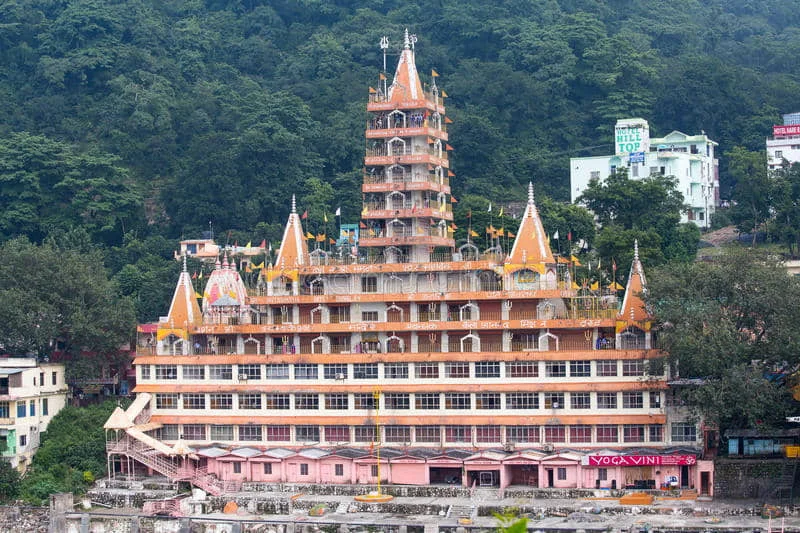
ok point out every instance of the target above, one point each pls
(638, 460)
(631, 135)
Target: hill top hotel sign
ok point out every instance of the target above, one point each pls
(631, 135)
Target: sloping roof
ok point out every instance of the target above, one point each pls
(294, 248)
(279, 452)
(313, 453)
(212, 452)
(118, 420)
(245, 452)
(530, 244)
(184, 310)
(406, 85)
(633, 308)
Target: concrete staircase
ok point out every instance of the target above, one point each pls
(462, 511)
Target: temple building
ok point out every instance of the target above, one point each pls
(403, 354)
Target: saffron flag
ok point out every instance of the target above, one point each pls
(382, 76)
(305, 215)
(258, 266)
(500, 232)
(450, 174)
(364, 211)
(309, 235)
(371, 232)
(501, 212)
(249, 244)
(473, 233)
(453, 200)
(372, 91)
(194, 276)
(263, 244)
(452, 225)
(331, 241)
(197, 294)
(510, 235)
(447, 120)
(434, 74)
(362, 225)
(444, 94)
(448, 147)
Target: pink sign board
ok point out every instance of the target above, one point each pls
(793, 129)
(638, 460)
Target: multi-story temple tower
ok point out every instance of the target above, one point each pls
(457, 364)
(406, 184)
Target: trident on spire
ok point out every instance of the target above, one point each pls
(384, 46)
(406, 40)
(530, 192)
(294, 205)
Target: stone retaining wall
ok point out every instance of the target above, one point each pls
(746, 478)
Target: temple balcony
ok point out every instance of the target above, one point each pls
(381, 130)
(400, 180)
(430, 101)
(416, 158)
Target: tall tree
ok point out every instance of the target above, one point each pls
(752, 194)
(729, 322)
(55, 298)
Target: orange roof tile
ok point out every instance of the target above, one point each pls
(530, 244)
(633, 308)
(294, 249)
(406, 85)
(184, 309)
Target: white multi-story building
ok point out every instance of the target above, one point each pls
(785, 143)
(31, 393)
(689, 158)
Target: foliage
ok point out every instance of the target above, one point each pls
(510, 522)
(56, 292)
(71, 455)
(647, 210)
(9, 481)
(730, 321)
(752, 194)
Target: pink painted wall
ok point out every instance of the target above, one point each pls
(410, 473)
(572, 475)
(327, 470)
(257, 471)
(294, 469)
(705, 466)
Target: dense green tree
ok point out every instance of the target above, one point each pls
(647, 210)
(47, 184)
(52, 296)
(730, 321)
(786, 207)
(752, 194)
(9, 481)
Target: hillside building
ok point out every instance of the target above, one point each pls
(402, 356)
(31, 394)
(784, 147)
(691, 159)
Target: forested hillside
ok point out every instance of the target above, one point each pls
(141, 121)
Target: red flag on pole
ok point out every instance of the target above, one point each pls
(569, 235)
(305, 214)
(263, 244)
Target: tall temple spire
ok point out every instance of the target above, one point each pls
(407, 142)
(294, 248)
(530, 244)
(633, 307)
(406, 85)
(184, 310)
